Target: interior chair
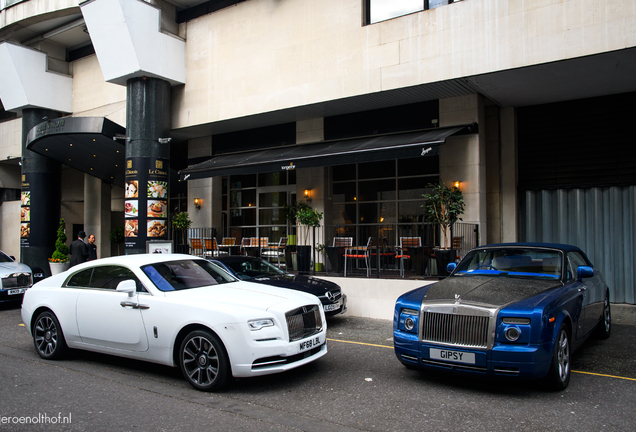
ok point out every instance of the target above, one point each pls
(277, 251)
(402, 252)
(358, 252)
(210, 249)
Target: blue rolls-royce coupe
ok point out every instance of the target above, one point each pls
(516, 310)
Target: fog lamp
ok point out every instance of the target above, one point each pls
(512, 333)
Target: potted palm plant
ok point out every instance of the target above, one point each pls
(59, 261)
(443, 206)
(180, 224)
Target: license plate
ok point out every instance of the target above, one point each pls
(332, 307)
(16, 291)
(454, 356)
(309, 344)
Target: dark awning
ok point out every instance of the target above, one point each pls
(326, 153)
(83, 143)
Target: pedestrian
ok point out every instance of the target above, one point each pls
(92, 248)
(79, 250)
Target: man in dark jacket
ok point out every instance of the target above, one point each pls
(79, 250)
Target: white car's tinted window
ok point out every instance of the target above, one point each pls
(185, 274)
(81, 279)
(108, 277)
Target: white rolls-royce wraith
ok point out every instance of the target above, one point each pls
(176, 310)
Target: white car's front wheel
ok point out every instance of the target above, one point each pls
(203, 361)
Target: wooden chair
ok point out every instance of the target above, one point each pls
(343, 241)
(358, 252)
(196, 247)
(457, 246)
(402, 252)
(228, 241)
(276, 251)
(245, 243)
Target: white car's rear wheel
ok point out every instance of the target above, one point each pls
(203, 361)
(48, 337)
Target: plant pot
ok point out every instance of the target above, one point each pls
(303, 254)
(291, 239)
(443, 257)
(318, 267)
(294, 260)
(57, 268)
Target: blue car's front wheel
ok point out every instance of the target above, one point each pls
(559, 375)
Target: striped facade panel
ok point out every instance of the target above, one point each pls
(601, 221)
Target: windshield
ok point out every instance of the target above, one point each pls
(253, 268)
(512, 262)
(4, 258)
(185, 274)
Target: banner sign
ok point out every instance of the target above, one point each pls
(146, 201)
(25, 212)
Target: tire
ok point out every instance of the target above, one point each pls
(559, 374)
(604, 327)
(203, 361)
(48, 337)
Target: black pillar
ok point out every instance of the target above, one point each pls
(41, 197)
(147, 162)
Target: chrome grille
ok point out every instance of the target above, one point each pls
(465, 330)
(303, 322)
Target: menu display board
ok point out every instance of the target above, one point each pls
(146, 201)
(25, 212)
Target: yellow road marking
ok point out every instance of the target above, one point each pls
(604, 375)
(575, 371)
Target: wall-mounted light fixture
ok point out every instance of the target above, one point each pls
(197, 203)
(457, 184)
(308, 195)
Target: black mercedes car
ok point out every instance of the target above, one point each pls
(258, 270)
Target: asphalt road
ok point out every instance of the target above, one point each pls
(359, 385)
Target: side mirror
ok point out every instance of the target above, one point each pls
(584, 272)
(128, 286)
(450, 267)
(12, 257)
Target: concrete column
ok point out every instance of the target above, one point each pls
(97, 213)
(41, 176)
(208, 190)
(147, 159)
(509, 176)
(463, 158)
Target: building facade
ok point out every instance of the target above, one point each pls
(361, 103)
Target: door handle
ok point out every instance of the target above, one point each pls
(134, 305)
(583, 288)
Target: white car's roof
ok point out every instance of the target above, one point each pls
(135, 260)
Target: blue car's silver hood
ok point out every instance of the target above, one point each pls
(497, 291)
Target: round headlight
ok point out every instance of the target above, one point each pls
(409, 323)
(512, 334)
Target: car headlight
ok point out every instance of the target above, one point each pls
(408, 320)
(258, 324)
(512, 334)
(515, 329)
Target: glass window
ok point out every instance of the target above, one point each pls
(414, 187)
(376, 190)
(108, 277)
(272, 199)
(410, 211)
(344, 192)
(185, 274)
(272, 179)
(374, 170)
(377, 213)
(512, 262)
(81, 279)
(271, 216)
(243, 198)
(243, 217)
(344, 214)
(242, 181)
(386, 9)
(344, 172)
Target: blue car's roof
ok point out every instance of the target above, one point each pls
(563, 247)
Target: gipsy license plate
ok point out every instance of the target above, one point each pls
(16, 291)
(309, 344)
(454, 356)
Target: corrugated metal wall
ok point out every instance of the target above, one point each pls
(601, 221)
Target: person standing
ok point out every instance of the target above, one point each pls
(79, 250)
(92, 248)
